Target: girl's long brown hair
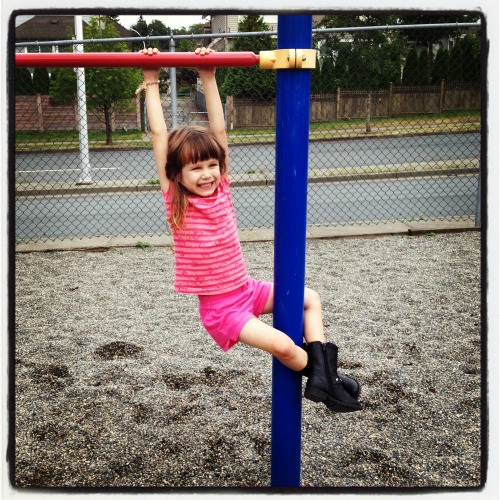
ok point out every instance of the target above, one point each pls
(188, 144)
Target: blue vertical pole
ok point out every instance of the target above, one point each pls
(292, 136)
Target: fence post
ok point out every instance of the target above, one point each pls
(138, 121)
(292, 136)
(368, 112)
(338, 103)
(390, 100)
(39, 108)
(477, 221)
(173, 88)
(230, 112)
(441, 97)
(85, 177)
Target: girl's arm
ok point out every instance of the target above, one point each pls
(213, 101)
(157, 123)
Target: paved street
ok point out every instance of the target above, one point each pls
(54, 217)
(329, 203)
(139, 164)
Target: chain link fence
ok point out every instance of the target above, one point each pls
(394, 135)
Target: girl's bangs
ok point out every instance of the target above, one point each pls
(200, 147)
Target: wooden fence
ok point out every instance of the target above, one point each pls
(40, 113)
(397, 100)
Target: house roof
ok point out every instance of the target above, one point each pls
(48, 28)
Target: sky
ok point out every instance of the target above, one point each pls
(174, 21)
(169, 21)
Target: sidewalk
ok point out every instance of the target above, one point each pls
(382, 228)
(367, 172)
(358, 173)
(352, 132)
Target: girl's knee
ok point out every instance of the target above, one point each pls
(284, 348)
(312, 299)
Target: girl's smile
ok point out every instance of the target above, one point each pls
(201, 178)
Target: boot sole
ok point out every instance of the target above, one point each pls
(319, 396)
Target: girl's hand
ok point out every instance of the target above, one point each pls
(205, 70)
(149, 51)
(149, 74)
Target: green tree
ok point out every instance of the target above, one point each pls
(463, 63)
(373, 67)
(184, 76)
(140, 28)
(153, 28)
(441, 66)
(390, 57)
(250, 83)
(430, 36)
(424, 72)
(24, 83)
(465, 59)
(41, 81)
(316, 77)
(456, 63)
(471, 58)
(363, 59)
(359, 71)
(325, 71)
(157, 28)
(189, 44)
(410, 69)
(253, 24)
(109, 90)
(187, 76)
(340, 77)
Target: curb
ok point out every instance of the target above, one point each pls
(380, 228)
(353, 134)
(402, 171)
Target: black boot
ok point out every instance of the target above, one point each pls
(351, 385)
(324, 384)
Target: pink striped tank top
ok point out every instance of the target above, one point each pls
(208, 256)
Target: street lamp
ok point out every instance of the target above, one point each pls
(132, 29)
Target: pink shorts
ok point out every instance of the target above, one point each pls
(225, 315)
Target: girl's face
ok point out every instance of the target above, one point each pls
(202, 177)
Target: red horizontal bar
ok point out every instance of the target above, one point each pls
(135, 59)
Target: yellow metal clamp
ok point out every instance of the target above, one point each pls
(288, 59)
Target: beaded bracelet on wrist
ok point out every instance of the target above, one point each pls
(144, 85)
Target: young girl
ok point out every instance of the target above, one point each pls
(192, 165)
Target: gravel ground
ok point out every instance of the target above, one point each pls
(119, 385)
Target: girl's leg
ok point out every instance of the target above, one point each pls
(337, 391)
(258, 334)
(313, 317)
